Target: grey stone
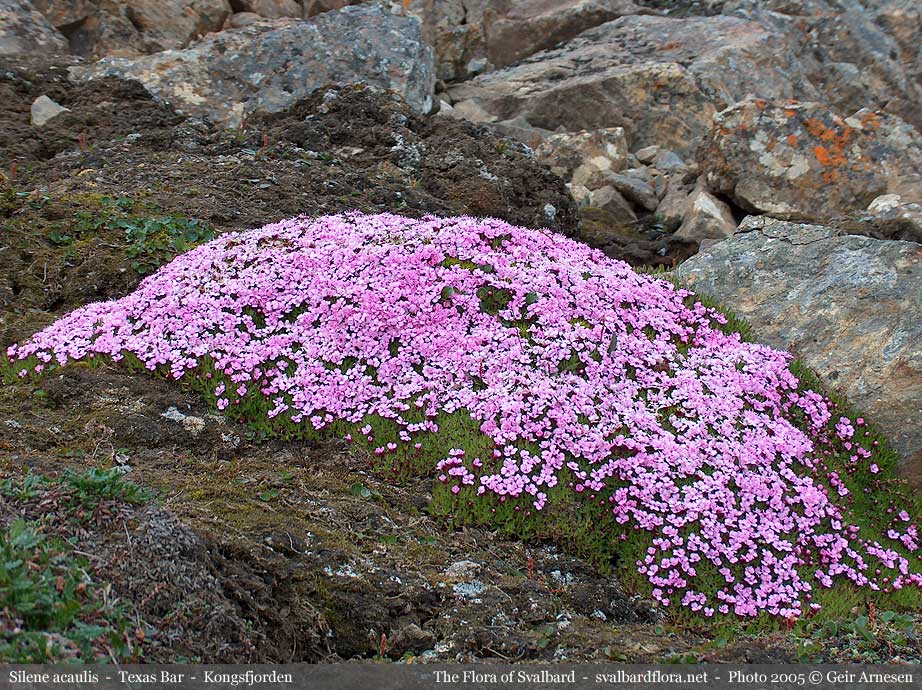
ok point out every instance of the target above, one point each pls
(635, 190)
(44, 110)
(672, 207)
(609, 200)
(130, 28)
(661, 79)
(578, 156)
(706, 218)
(847, 305)
(667, 161)
(801, 161)
(270, 65)
(271, 9)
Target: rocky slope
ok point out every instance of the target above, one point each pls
(130, 130)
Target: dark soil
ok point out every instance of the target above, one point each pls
(102, 110)
(341, 149)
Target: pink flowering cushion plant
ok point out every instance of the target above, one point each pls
(547, 387)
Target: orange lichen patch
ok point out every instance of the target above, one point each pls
(823, 156)
(790, 112)
(833, 153)
(792, 141)
(871, 120)
(771, 145)
(761, 103)
(818, 129)
(832, 160)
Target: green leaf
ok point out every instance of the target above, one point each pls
(360, 490)
(269, 495)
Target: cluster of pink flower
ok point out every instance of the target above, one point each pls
(586, 376)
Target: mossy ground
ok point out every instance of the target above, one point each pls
(330, 535)
(54, 606)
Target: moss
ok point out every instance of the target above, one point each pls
(58, 607)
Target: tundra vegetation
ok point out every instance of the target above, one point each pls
(550, 390)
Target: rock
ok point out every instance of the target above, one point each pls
(43, 110)
(672, 207)
(24, 30)
(579, 193)
(515, 30)
(634, 189)
(519, 129)
(609, 200)
(607, 216)
(454, 29)
(475, 36)
(477, 66)
(858, 54)
(460, 570)
(471, 111)
(271, 9)
(269, 65)
(577, 156)
(902, 20)
(706, 218)
(133, 27)
(659, 182)
(802, 161)
(660, 79)
(667, 161)
(847, 305)
(897, 151)
(884, 203)
(64, 12)
(646, 154)
(892, 219)
(311, 8)
(238, 20)
(194, 425)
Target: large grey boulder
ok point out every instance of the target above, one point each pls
(659, 78)
(25, 30)
(473, 36)
(269, 65)
(848, 305)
